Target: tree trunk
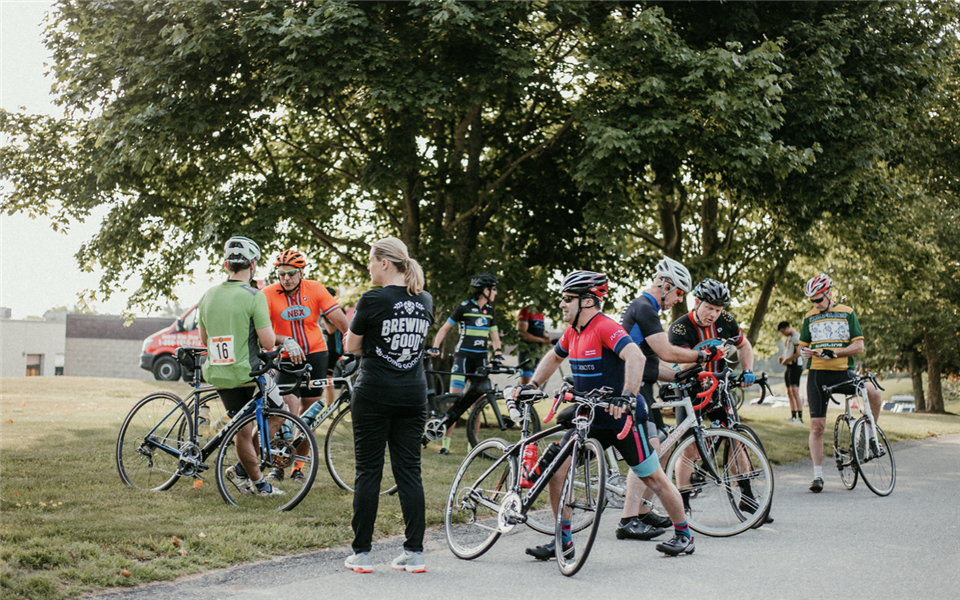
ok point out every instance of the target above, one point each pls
(763, 302)
(935, 404)
(916, 376)
(671, 227)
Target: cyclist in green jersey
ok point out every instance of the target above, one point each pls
(234, 324)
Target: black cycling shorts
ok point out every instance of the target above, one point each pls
(466, 364)
(815, 396)
(792, 375)
(655, 419)
(236, 398)
(318, 364)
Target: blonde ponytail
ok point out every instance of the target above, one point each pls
(394, 250)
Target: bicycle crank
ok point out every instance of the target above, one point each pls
(435, 430)
(510, 514)
(189, 464)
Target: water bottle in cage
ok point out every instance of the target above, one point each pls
(530, 454)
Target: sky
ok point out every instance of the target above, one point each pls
(38, 270)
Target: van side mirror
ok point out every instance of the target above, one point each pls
(180, 325)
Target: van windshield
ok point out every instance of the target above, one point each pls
(190, 320)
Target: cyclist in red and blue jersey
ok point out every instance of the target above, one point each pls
(602, 354)
(478, 324)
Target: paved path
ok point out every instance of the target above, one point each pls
(814, 549)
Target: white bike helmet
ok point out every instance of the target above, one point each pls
(817, 285)
(675, 273)
(241, 249)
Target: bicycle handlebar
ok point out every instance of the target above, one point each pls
(599, 398)
(271, 360)
(871, 377)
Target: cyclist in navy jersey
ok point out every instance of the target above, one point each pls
(641, 319)
(602, 354)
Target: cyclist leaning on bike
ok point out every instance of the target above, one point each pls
(830, 337)
(234, 324)
(641, 319)
(708, 325)
(602, 354)
(478, 330)
(295, 307)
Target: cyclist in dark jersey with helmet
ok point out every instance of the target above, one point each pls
(602, 354)
(478, 330)
(641, 319)
(709, 325)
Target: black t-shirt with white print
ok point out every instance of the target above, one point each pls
(394, 327)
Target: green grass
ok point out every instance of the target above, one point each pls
(69, 526)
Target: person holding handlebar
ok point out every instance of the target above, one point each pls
(602, 354)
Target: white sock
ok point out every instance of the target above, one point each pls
(818, 471)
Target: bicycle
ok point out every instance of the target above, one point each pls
(158, 441)
(338, 448)
(488, 497)
(732, 489)
(488, 417)
(859, 445)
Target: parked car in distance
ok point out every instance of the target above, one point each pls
(900, 404)
(159, 353)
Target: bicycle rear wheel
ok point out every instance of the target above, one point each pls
(540, 516)
(482, 422)
(341, 457)
(151, 437)
(291, 489)
(480, 486)
(727, 506)
(582, 501)
(843, 452)
(875, 463)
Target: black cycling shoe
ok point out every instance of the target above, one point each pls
(548, 551)
(817, 485)
(655, 520)
(679, 544)
(635, 529)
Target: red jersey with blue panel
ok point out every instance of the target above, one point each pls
(594, 354)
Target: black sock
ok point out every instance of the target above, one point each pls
(625, 520)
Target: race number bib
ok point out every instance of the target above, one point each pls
(220, 350)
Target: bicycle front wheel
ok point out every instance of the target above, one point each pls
(342, 459)
(292, 473)
(480, 486)
(150, 440)
(874, 459)
(742, 495)
(540, 516)
(843, 451)
(582, 501)
(482, 424)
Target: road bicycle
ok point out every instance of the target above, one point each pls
(724, 473)
(491, 494)
(488, 416)
(160, 439)
(859, 445)
(338, 448)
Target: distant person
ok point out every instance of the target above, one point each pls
(234, 323)
(830, 337)
(533, 340)
(296, 305)
(790, 358)
(478, 331)
(389, 328)
(333, 336)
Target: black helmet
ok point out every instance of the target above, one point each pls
(483, 280)
(585, 282)
(712, 292)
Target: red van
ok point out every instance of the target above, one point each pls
(160, 348)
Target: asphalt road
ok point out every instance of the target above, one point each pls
(838, 544)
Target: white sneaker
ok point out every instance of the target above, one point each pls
(239, 479)
(359, 563)
(411, 562)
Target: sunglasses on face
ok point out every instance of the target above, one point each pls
(817, 300)
(567, 299)
(289, 273)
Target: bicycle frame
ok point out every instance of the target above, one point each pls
(860, 390)
(691, 422)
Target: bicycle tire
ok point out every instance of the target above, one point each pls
(878, 472)
(739, 394)
(750, 433)
(341, 458)
(282, 456)
(843, 452)
(482, 423)
(583, 496)
(540, 516)
(472, 527)
(714, 505)
(157, 421)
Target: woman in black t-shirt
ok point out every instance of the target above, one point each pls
(389, 327)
